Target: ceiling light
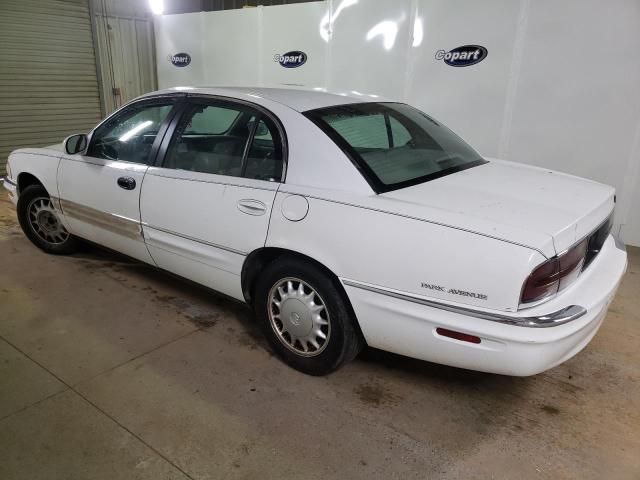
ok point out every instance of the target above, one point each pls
(157, 6)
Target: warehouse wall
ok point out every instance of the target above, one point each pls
(48, 83)
(125, 52)
(559, 87)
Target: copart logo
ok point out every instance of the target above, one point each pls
(464, 56)
(291, 59)
(180, 59)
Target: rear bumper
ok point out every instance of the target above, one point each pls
(409, 328)
(12, 188)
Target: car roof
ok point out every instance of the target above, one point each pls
(299, 99)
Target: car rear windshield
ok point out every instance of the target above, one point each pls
(395, 145)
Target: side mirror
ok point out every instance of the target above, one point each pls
(75, 143)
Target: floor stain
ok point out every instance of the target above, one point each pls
(550, 409)
(203, 321)
(375, 395)
(202, 317)
(245, 340)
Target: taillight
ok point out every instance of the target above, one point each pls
(555, 274)
(571, 264)
(542, 282)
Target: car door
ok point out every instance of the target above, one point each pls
(100, 188)
(208, 205)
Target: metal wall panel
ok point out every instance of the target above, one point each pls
(48, 84)
(125, 52)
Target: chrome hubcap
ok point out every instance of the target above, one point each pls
(299, 317)
(44, 221)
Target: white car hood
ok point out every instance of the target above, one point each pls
(531, 206)
(58, 147)
(55, 150)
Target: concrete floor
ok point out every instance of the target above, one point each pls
(110, 369)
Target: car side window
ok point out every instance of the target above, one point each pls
(130, 135)
(212, 121)
(214, 138)
(265, 158)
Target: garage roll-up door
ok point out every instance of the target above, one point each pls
(48, 82)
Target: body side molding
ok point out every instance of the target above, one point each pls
(560, 317)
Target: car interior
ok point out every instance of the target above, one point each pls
(204, 150)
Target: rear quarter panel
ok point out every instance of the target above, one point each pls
(405, 254)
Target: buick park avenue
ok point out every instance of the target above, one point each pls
(342, 223)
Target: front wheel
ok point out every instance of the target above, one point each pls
(40, 223)
(305, 317)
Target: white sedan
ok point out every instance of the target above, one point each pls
(343, 223)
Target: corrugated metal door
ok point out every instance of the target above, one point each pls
(48, 84)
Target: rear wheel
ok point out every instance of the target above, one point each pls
(305, 317)
(40, 223)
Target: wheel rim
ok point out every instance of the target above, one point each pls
(44, 221)
(299, 317)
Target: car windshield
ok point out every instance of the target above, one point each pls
(395, 145)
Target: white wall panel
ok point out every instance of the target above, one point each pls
(577, 105)
(280, 35)
(179, 34)
(629, 207)
(470, 100)
(368, 47)
(231, 40)
(559, 87)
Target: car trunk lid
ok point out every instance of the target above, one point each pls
(543, 209)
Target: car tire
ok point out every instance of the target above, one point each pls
(313, 306)
(40, 223)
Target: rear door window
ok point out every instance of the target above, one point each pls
(264, 159)
(229, 139)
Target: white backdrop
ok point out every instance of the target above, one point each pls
(560, 87)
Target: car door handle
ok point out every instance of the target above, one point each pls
(252, 207)
(127, 183)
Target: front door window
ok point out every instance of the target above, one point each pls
(130, 136)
